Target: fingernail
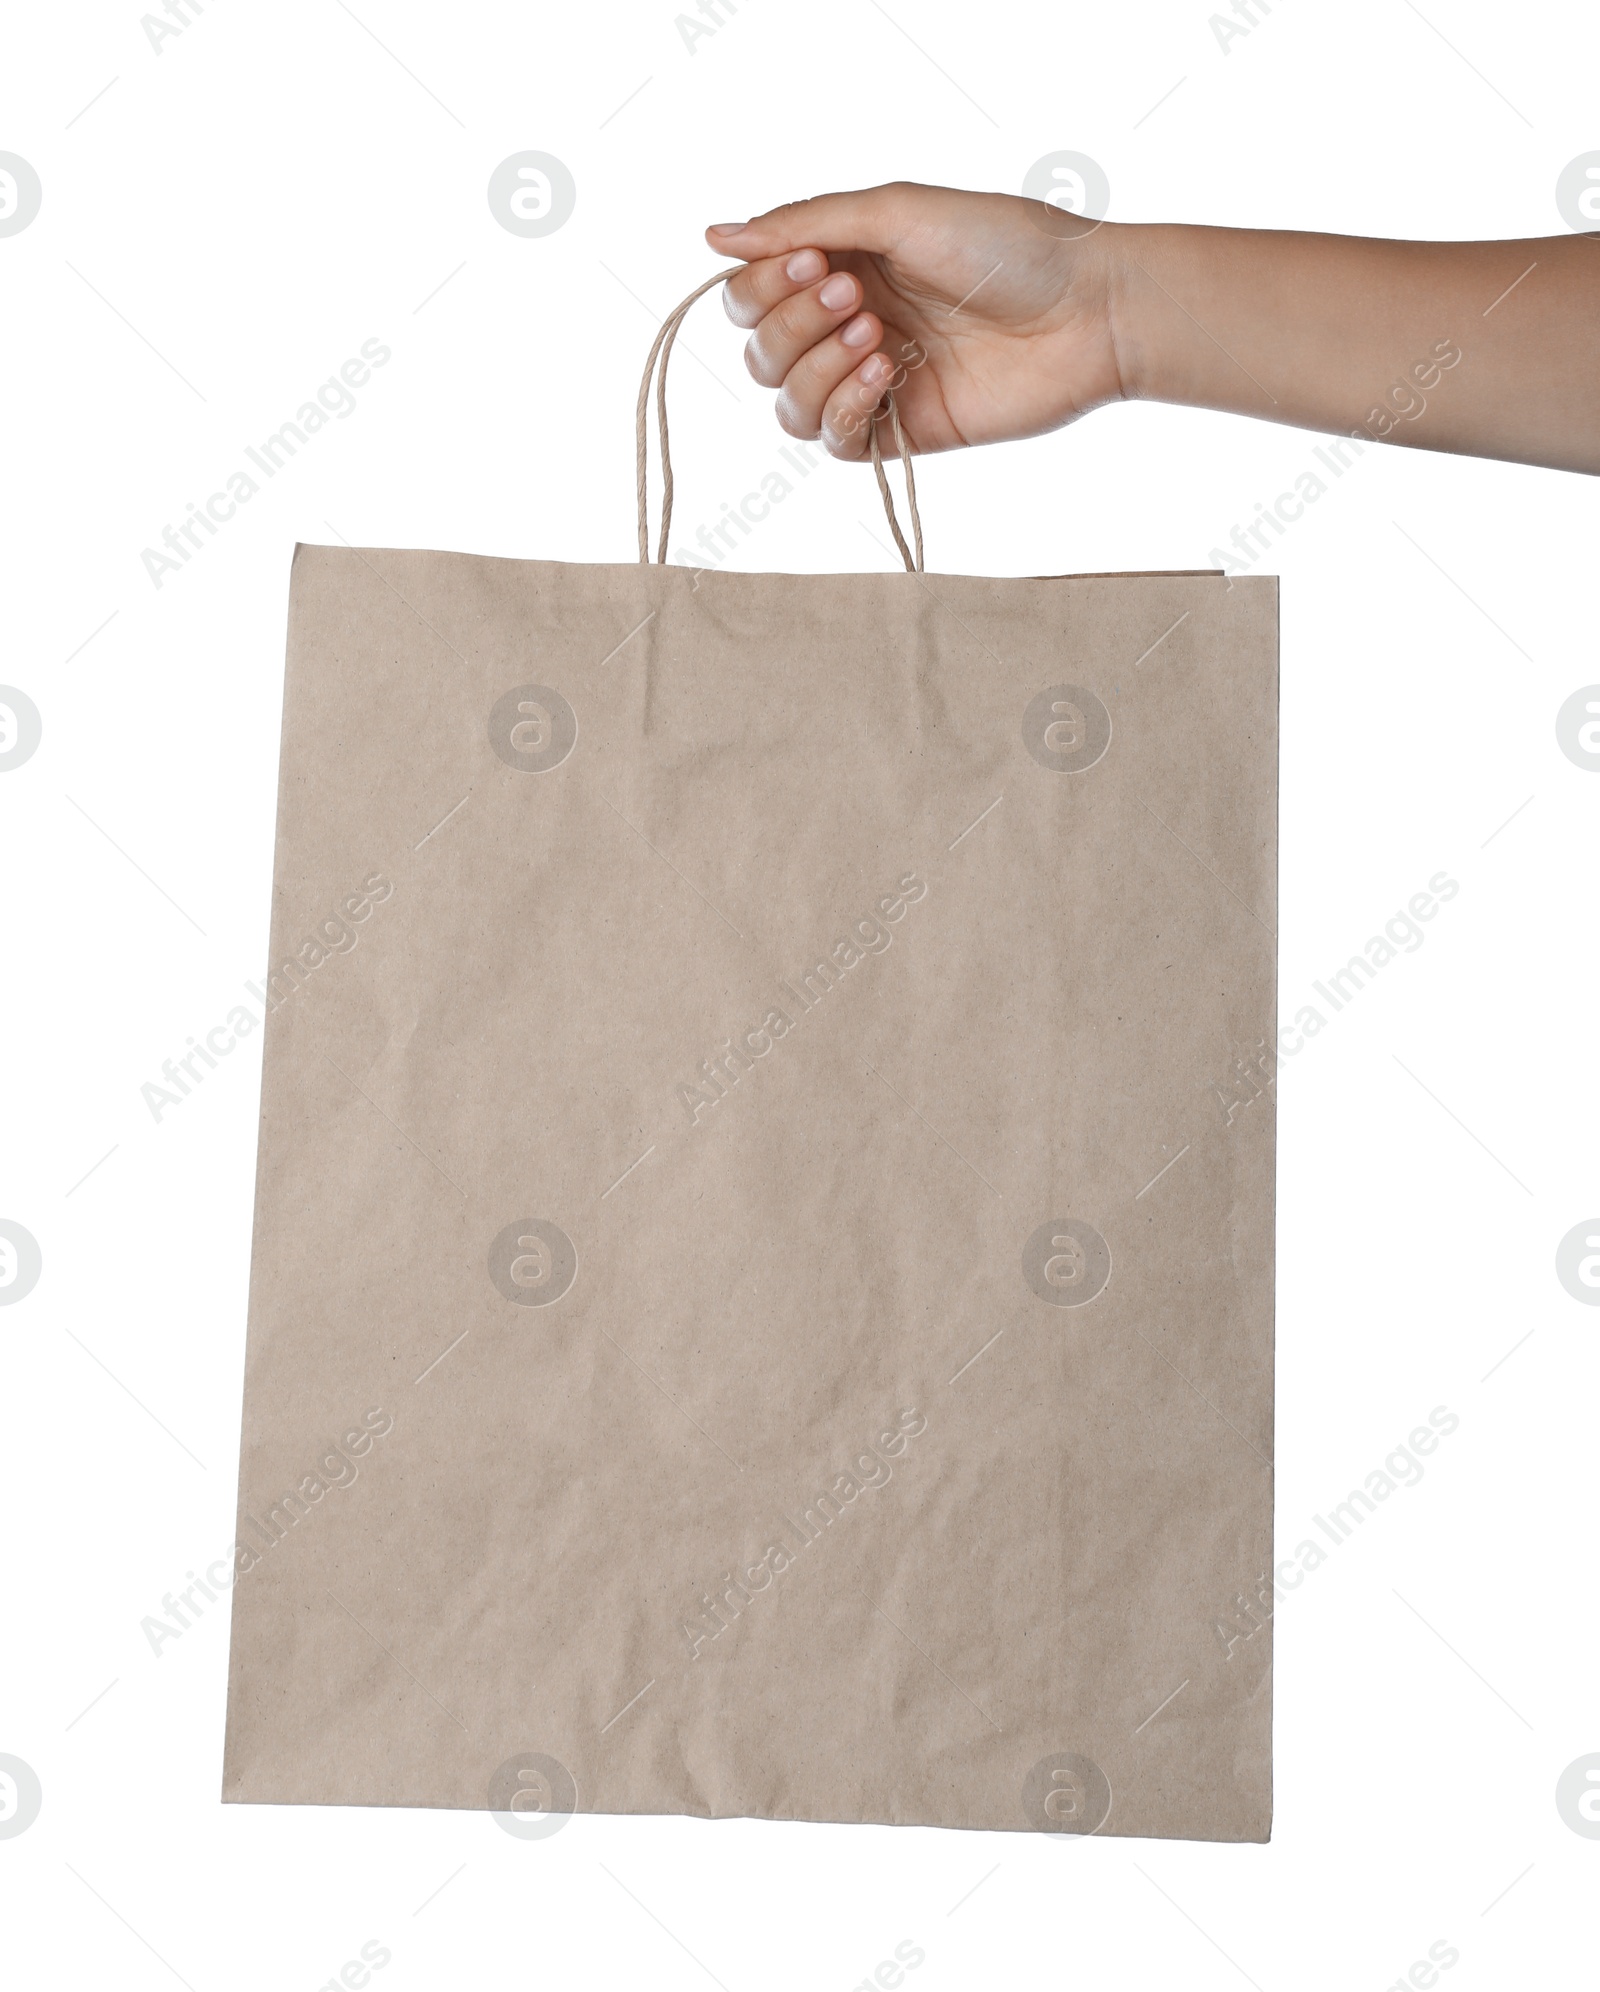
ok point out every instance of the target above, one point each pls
(804, 266)
(874, 371)
(728, 228)
(838, 292)
(858, 332)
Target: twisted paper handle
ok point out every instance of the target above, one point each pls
(662, 350)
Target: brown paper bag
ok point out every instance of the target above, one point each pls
(759, 1306)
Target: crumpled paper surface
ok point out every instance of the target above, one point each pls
(759, 1305)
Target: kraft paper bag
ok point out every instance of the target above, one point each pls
(762, 1287)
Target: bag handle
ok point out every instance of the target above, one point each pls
(662, 350)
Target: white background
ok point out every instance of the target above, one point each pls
(221, 228)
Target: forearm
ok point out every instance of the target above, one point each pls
(1344, 334)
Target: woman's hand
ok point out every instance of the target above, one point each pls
(989, 316)
(993, 317)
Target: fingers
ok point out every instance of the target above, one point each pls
(833, 377)
(809, 336)
(845, 422)
(809, 339)
(797, 323)
(751, 293)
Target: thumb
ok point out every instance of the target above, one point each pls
(874, 219)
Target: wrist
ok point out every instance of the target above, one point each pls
(1140, 336)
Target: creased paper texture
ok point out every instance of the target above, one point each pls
(758, 1305)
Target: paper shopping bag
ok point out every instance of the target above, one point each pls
(757, 1308)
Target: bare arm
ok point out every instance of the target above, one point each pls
(995, 317)
(1482, 348)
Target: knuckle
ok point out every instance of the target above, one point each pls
(793, 422)
(791, 318)
(739, 307)
(761, 368)
(841, 433)
(819, 367)
(767, 283)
